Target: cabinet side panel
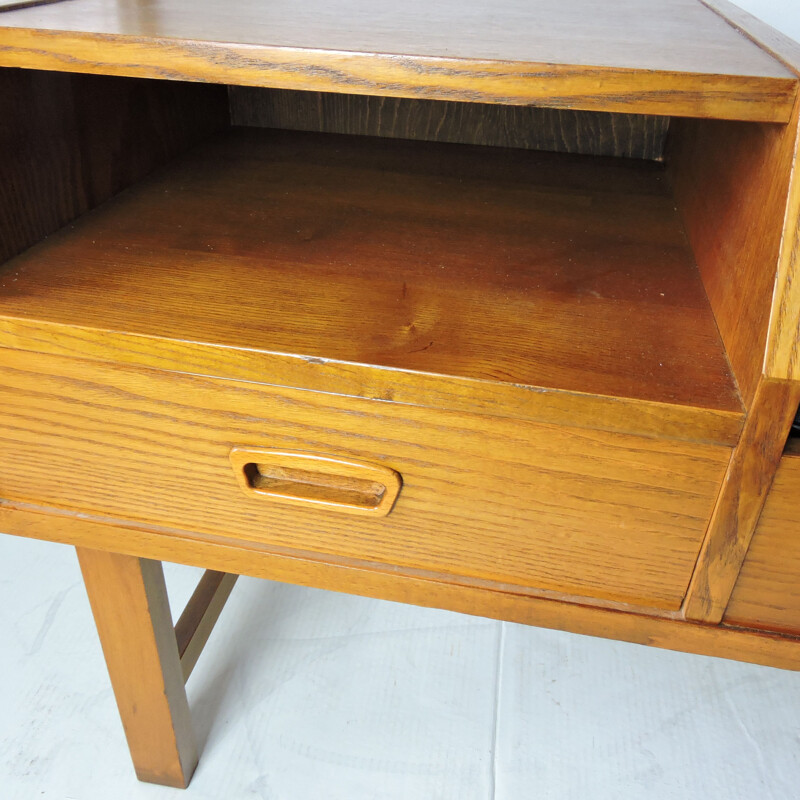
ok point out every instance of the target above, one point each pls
(553, 129)
(783, 345)
(69, 142)
(731, 184)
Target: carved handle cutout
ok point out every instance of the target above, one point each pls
(308, 479)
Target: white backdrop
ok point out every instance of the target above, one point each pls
(781, 14)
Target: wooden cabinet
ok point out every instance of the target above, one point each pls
(488, 309)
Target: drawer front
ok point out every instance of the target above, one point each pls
(577, 511)
(767, 592)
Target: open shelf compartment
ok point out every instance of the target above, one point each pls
(395, 270)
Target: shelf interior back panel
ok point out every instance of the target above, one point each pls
(519, 270)
(671, 57)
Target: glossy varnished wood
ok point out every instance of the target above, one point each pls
(738, 191)
(536, 506)
(306, 480)
(783, 345)
(375, 267)
(732, 183)
(744, 645)
(739, 505)
(129, 602)
(767, 592)
(771, 40)
(553, 129)
(625, 55)
(69, 142)
(783, 351)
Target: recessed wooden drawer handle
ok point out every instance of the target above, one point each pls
(313, 480)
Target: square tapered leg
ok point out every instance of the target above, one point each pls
(129, 602)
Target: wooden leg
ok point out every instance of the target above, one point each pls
(129, 601)
(200, 615)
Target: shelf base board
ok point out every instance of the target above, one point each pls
(758, 647)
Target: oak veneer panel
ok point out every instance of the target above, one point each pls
(671, 57)
(783, 345)
(732, 186)
(767, 593)
(69, 142)
(588, 513)
(504, 267)
(553, 129)
(785, 49)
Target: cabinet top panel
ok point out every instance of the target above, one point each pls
(670, 57)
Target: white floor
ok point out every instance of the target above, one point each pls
(307, 694)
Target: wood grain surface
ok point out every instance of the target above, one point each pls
(744, 491)
(783, 352)
(783, 343)
(673, 57)
(785, 49)
(540, 507)
(51, 524)
(130, 606)
(767, 592)
(69, 142)
(307, 479)
(732, 185)
(553, 129)
(334, 260)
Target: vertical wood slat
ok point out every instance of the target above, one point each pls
(128, 597)
(783, 343)
(744, 492)
(559, 130)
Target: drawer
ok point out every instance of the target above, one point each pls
(513, 502)
(767, 592)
